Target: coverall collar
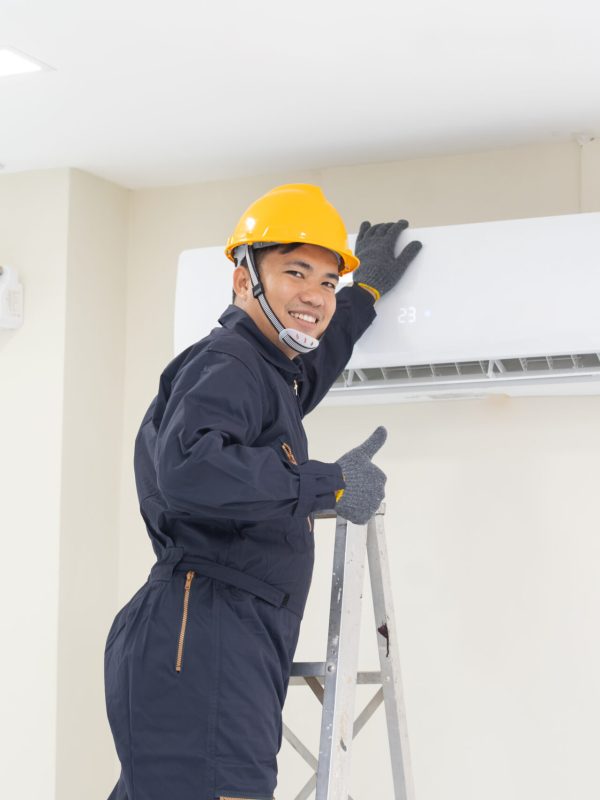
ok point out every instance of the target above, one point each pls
(236, 319)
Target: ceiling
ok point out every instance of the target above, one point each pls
(148, 93)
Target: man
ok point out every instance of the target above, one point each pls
(197, 663)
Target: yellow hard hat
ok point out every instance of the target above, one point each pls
(294, 212)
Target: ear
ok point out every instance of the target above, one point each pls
(241, 283)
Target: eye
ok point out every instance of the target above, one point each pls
(294, 272)
(330, 285)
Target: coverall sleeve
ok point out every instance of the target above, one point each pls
(206, 462)
(354, 313)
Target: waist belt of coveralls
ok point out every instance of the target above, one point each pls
(176, 559)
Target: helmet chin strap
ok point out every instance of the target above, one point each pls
(296, 340)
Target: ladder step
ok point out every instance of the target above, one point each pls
(318, 669)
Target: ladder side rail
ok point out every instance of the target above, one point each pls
(335, 747)
(389, 659)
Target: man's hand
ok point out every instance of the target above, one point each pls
(365, 483)
(380, 270)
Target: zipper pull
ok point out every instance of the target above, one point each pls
(295, 387)
(289, 453)
(189, 578)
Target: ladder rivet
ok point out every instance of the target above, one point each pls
(330, 667)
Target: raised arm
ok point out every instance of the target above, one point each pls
(379, 271)
(353, 315)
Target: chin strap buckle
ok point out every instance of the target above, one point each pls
(301, 342)
(257, 289)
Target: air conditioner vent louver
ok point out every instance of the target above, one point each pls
(445, 375)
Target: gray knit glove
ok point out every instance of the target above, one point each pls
(365, 483)
(379, 268)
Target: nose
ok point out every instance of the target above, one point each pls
(312, 294)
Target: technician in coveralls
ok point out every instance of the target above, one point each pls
(197, 663)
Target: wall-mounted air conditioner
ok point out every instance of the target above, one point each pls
(510, 307)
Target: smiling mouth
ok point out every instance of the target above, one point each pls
(307, 319)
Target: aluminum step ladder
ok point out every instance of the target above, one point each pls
(334, 680)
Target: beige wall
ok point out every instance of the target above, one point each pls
(61, 405)
(590, 176)
(494, 544)
(490, 503)
(94, 362)
(521, 182)
(33, 239)
(492, 530)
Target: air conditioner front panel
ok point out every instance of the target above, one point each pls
(514, 288)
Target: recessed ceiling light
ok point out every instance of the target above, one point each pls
(13, 62)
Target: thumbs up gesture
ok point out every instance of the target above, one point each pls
(365, 483)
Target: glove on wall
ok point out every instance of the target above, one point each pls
(379, 267)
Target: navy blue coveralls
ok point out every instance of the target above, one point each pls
(197, 663)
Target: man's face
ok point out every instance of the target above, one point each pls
(300, 288)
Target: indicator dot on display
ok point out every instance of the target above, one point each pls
(427, 312)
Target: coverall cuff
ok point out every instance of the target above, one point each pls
(365, 294)
(318, 484)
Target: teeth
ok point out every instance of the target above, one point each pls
(305, 317)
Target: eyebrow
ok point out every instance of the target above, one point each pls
(299, 263)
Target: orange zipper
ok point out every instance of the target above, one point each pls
(189, 577)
